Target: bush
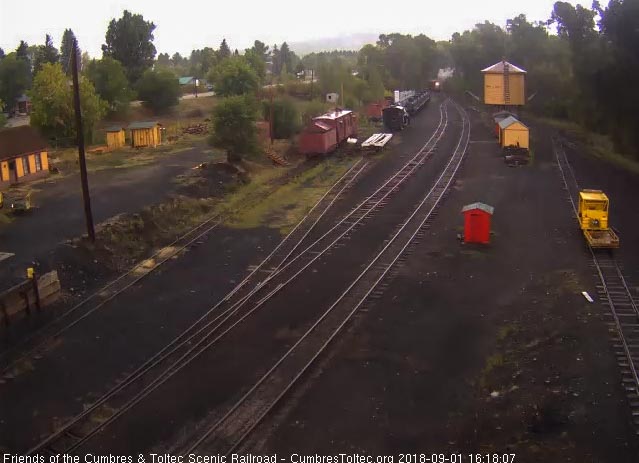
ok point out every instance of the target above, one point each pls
(159, 90)
(286, 118)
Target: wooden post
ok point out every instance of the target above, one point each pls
(270, 118)
(81, 155)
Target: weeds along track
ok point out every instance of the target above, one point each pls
(227, 433)
(283, 265)
(35, 345)
(615, 293)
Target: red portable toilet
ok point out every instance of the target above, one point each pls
(477, 223)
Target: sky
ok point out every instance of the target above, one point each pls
(184, 26)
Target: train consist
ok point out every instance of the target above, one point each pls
(407, 104)
(326, 132)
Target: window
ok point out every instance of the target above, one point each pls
(25, 165)
(38, 162)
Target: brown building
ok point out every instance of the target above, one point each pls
(23, 155)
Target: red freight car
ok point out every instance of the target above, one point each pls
(317, 138)
(374, 110)
(327, 131)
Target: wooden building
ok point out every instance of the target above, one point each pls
(513, 133)
(23, 155)
(115, 137)
(504, 85)
(145, 134)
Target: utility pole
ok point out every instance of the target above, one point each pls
(270, 117)
(312, 76)
(81, 156)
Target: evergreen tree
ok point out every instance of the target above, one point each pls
(224, 51)
(66, 48)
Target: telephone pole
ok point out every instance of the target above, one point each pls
(81, 155)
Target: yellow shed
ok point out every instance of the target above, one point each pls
(115, 137)
(145, 134)
(504, 85)
(513, 133)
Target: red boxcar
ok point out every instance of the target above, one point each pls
(327, 131)
(317, 138)
(374, 110)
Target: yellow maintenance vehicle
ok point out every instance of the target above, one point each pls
(593, 219)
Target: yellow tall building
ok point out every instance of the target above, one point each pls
(504, 85)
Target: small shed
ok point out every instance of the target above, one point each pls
(500, 116)
(513, 132)
(115, 137)
(317, 138)
(145, 134)
(504, 84)
(477, 217)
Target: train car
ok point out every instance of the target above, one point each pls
(435, 85)
(326, 132)
(395, 118)
(417, 102)
(593, 219)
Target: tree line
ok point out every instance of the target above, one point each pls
(584, 72)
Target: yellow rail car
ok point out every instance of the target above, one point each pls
(593, 219)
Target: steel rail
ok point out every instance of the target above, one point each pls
(347, 179)
(248, 413)
(191, 353)
(561, 157)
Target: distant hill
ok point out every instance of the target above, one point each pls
(344, 42)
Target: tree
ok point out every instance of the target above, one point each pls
(130, 41)
(159, 90)
(109, 78)
(234, 128)
(285, 58)
(66, 48)
(22, 51)
(46, 53)
(257, 63)
(234, 76)
(286, 118)
(3, 119)
(260, 49)
(224, 51)
(2, 55)
(15, 78)
(52, 104)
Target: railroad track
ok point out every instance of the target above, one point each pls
(226, 434)
(252, 293)
(79, 429)
(35, 345)
(614, 292)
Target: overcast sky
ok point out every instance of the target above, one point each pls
(185, 25)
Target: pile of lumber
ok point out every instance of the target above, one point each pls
(197, 129)
(377, 141)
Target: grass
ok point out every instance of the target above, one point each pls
(259, 204)
(597, 145)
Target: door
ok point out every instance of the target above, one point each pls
(13, 174)
(476, 228)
